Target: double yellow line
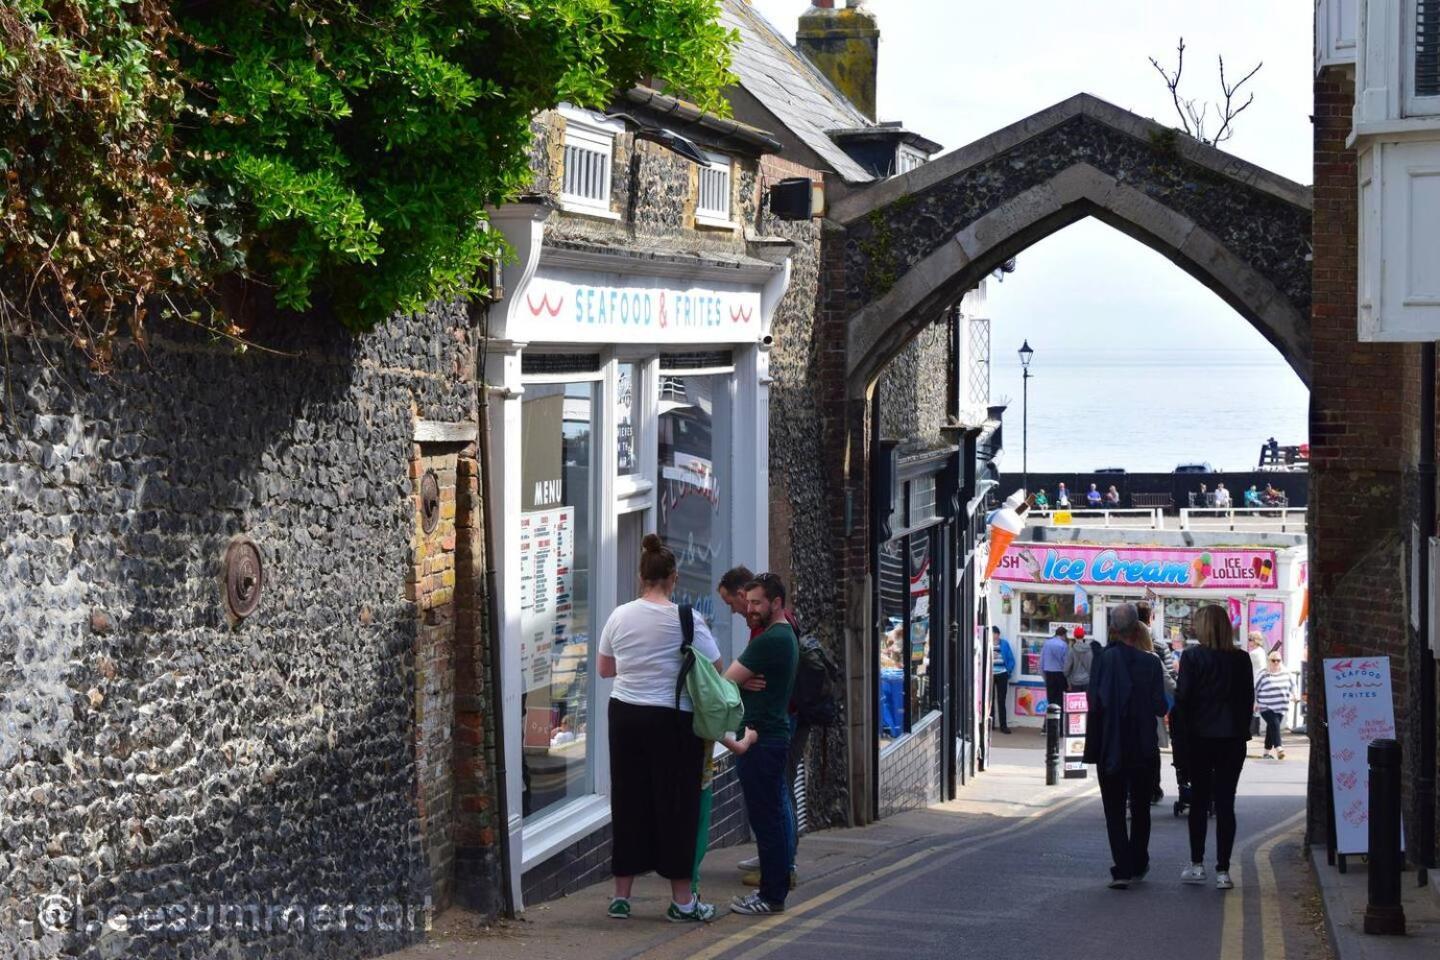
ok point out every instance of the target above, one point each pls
(772, 933)
(1272, 930)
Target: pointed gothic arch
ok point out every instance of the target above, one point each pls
(915, 243)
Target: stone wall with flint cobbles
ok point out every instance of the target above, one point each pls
(157, 753)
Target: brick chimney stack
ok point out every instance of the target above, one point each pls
(845, 46)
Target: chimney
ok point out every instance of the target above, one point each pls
(845, 45)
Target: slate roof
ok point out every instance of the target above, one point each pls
(792, 89)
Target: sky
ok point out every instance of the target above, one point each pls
(956, 70)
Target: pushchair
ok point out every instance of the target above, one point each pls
(1184, 795)
(1181, 760)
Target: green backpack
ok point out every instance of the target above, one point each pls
(718, 710)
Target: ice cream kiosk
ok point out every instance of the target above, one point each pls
(1043, 583)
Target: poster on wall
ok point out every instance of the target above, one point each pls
(1360, 707)
(547, 559)
(1268, 618)
(1030, 701)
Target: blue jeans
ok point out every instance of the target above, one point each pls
(762, 778)
(792, 816)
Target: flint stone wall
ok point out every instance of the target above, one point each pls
(150, 752)
(1269, 233)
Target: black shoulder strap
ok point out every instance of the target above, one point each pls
(687, 655)
(687, 626)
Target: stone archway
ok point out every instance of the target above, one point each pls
(914, 244)
(896, 255)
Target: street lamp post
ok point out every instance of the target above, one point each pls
(1025, 354)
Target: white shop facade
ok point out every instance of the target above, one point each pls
(1043, 585)
(628, 395)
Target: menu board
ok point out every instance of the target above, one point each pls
(1077, 713)
(1360, 709)
(547, 562)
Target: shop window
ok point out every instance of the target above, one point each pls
(923, 673)
(712, 204)
(1180, 621)
(910, 677)
(694, 512)
(1040, 614)
(893, 582)
(556, 547)
(588, 157)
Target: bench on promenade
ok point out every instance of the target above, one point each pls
(1161, 500)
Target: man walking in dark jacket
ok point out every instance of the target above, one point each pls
(1127, 694)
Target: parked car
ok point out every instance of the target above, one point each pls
(1203, 467)
(1111, 470)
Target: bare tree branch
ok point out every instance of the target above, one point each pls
(1173, 82)
(1226, 130)
(1192, 118)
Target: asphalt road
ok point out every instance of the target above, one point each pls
(1031, 881)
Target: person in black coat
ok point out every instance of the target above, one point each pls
(1126, 696)
(1216, 695)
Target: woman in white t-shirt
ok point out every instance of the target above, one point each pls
(656, 761)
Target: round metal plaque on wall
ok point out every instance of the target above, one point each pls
(429, 501)
(244, 578)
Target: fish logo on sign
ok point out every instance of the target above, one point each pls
(545, 305)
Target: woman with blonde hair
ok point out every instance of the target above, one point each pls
(1215, 694)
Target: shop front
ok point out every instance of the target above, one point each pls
(922, 561)
(1041, 586)
(628, 394)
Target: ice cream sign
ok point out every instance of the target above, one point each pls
(1139, 567)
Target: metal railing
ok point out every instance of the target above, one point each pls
(1254, 519)
(1134, 518)
(1281, 519)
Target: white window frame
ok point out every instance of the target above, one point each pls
(907, 158)
(1415, 106)
(715, 216)
(595, 134)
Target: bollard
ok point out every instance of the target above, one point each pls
(1052, 744)
(1384, 914)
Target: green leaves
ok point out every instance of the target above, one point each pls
(335, 149)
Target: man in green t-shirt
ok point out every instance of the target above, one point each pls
(775, 655)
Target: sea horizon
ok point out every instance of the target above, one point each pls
(1149, 410)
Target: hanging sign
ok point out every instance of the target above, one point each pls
(1268, 618)
(1139, 567)
(581, 306)
(1360, 709)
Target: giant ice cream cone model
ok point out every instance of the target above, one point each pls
(1005, 525)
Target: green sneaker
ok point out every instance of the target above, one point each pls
(619, 909)
(701, 912)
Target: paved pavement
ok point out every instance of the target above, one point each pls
(1010, 868)
(1345, 898)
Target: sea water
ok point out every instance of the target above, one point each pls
(1149, 410)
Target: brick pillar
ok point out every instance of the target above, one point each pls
(847, 450)
(1358, 442)
(477, 863)
(431, 586)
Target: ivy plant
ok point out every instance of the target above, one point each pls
(341, 151)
